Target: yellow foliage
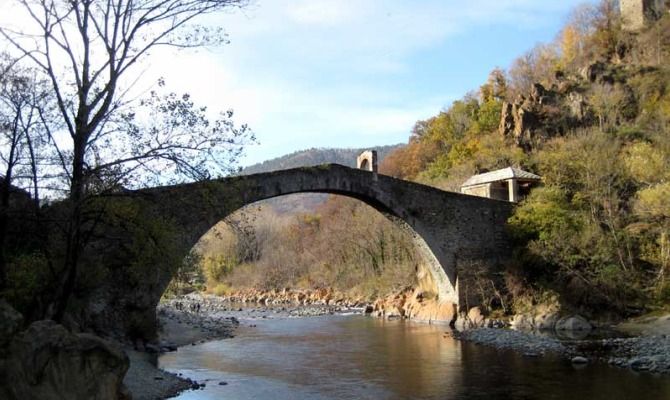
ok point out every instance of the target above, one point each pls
(646, 163)
(570, 42)
(654, 202)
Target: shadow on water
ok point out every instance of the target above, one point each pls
(339, 357)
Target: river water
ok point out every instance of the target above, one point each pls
(357, 357)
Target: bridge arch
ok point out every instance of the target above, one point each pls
(445, 226)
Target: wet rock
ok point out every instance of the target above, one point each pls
(579, 360)
(573, 323)
(640, 364)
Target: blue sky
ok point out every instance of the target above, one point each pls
(355, 73)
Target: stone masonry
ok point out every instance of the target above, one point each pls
(449, 228)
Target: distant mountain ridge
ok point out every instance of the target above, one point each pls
(316, 156)
(308, 202)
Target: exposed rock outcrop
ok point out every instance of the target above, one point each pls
(416, 304)
(522, 119)
(46, 362)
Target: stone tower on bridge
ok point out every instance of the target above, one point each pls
(636, 13)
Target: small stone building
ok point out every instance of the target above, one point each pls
(367, 160)
(511, 184)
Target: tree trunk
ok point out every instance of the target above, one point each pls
(73, 246)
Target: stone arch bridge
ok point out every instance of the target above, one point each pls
(448, 227)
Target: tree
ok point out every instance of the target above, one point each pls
(24, 106)
(88, 49)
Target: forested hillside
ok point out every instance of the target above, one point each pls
(589, 112)
(311, 157)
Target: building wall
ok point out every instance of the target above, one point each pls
(482, 190)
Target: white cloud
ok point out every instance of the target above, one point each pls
(321, 72)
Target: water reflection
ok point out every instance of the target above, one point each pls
(367, 358)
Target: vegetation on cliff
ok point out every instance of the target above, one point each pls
(589, 113)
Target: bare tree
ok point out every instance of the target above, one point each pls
(88, 49)
(24, 107)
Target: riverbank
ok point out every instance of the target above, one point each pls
(197, 318)
(643, 353)
(177, 328)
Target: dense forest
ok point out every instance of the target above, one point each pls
(589, 112)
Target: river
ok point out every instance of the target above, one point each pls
(357, 357)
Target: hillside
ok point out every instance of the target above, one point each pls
(311, 157)
(304, 203)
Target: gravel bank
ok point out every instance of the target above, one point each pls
(527, 344)
(647, 353)
(178, 328)
(146, 382)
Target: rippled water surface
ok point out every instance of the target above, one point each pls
(356, 357)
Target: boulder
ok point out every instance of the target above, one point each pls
(48, 362)
(10, 322)
(573, 323)
(473, 319)
(522, 322)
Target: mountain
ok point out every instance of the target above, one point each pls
(311, 157)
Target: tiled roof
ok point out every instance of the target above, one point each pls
(501, 175)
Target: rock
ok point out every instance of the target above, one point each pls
(166, 348)
(47, 362)
(152, 348)
(506, 127)
(579, 360)
(573, 323)
(545, 321)
(473, 319)
(10, 322)
(577, 104)
(369, 309)
(222, 383)
(596, 72)
(522, 322)
(640, 364)
(475, 316)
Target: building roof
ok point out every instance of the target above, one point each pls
(501, 175)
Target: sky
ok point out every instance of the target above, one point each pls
(352, 73)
